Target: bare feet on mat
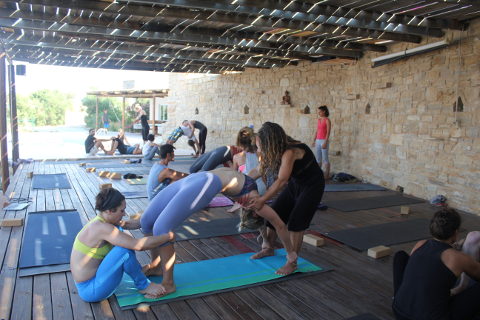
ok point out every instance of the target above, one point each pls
(265, 252)
(169, 288)
(288, 268)
(150, 270)
(153, 291)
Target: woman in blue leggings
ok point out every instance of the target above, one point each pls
(179, 200)
(102, 252)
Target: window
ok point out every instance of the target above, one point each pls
(163, 114)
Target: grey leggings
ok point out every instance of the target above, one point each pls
(212, 159)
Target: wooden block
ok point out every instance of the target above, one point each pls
(11, 223)
(105, 186)
(126, 161)
(379, 252)
(404, 210)
(313, 240)
(136, 216)
(83, 164)
(29, 175)
(103, 173)
(115, 175)
(91, 169)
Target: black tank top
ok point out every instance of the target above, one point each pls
(198, 125)
(305, 169)
(425, 289)
(143, 120)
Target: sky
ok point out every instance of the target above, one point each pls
(79, 81)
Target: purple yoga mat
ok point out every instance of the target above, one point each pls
(220, 201)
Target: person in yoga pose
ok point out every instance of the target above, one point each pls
(160, 175)
(425, 282)
(299, 175)
(143, 119)
(179, 200)
(120, 142)
(101, 252)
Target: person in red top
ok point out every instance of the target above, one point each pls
(320, 141)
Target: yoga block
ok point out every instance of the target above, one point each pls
(126, 161)
(404, 210)
(91, 169)
(313, 240)
(115, 175)
(29, 175)
(105, 186)
(379, 252)
(83, 164)
(11, 223)
(103, 173)
(136, 216)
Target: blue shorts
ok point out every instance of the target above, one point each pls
(130, 150)
(106, 125)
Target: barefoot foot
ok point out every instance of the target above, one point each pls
(265, 252)
(169, 288)
(150, 270)
(288, 268)
(153, 291)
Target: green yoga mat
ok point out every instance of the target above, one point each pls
(200, 278)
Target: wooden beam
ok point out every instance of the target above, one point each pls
(3, 124)
(123, 113)
(13, 117)
(96, 114)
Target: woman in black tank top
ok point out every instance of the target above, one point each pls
(424, 281)
(297, 170)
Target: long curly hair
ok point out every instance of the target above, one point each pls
(273, 143)
(246, 139)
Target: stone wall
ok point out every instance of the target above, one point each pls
(411, 136)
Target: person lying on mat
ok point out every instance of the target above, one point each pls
(179, 200)
(160, 175)
(120, 142)
(425, 282)
(101, 252)
(299, 175)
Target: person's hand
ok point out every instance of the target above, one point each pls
(256, 203)
(324, 145)
(171, 236)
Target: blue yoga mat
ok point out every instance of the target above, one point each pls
(342, 187)
(199, 278)
(48, 238)
(135, 194)
(51, 181)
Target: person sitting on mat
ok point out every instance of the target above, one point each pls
(179, 200)
(93, 145)
(101, 252)
(298, 171)
(150, 148)
(424, 282)
(120, 142)
(221, 155)
(160, 175)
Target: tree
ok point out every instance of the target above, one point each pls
(113, 107)
(44, 107)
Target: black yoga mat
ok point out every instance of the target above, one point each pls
(101, 166)
(371, 203)
(51, 181)
(207, 229)
(135, 194)
(48, 238)
(383, 234)
(366, 316)
(342, 187)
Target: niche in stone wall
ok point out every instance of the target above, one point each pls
(458, 105)
(196, 111)
(368, 108)
(306, 110)
(246, 110)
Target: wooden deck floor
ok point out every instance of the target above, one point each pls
(357, 285)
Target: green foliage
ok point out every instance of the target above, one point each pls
(44, 107)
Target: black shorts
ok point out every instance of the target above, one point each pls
(297, 203)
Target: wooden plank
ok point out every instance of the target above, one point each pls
(81, 310)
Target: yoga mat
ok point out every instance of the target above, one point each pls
(118, 165)
(137, 181)
(371, 203)
(207, 229)
(51, 181)
(220, 201)
(134, 194)
(342, 187)
(383, 234)
(16, 206)
(365, 316)
(200, 278)
(48, 238)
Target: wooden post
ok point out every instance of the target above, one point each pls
(96, 115)
(123, 114)
(3, 124)
(13, 117)
(154, 131)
